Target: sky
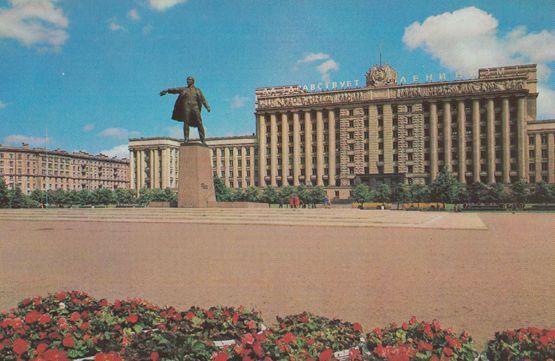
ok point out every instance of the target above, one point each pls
(86, 74)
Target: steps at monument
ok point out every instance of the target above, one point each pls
(268, 216)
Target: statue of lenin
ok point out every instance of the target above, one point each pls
(188, 107)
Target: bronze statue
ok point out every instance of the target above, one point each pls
(188, 107)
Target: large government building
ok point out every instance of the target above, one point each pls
(38, 168)
(482, 129)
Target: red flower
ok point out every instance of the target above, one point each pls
(412, 320)
(248, 339)
(425, 346)
(68, 341)
(326, 355)
(60, 296)
(289, 337)
(220, 356)
(544, 340)
(55, 355)
(404, 326)
(20, 346)
(235, 318)
(132, 318)
(251, 325)
(84, 326)
(74, 317)
(357, 327)
(32, 316)
(44, 319)
(189, 315)
(447, 352)
(257, 347)
(154, 356)
(41, 348)
(210, 314)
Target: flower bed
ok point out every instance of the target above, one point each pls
(416, 340)
(73, 325)
(523, 344)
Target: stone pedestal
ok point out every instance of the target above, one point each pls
(196, 185)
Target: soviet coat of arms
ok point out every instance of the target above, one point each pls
(381, 75)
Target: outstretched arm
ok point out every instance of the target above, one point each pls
(171, 91)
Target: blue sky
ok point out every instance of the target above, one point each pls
(90, 70)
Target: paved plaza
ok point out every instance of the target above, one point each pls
(480, 272)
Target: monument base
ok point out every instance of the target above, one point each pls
(195, 184)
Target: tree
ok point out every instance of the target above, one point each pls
(86, 197)
(237, 195)
(520, 191)
(419, 193)
(498, 194)
(103, 196)
(382, 193)
(38, 196)
(223, 193)
(252, 194)
(124, 196)
(270, 195)
(17, 199)
(4, 199)
(361, 193)
(402, 193)
(478, 192)
(542, 193)
(285, 193)
(317, 195)
(303, 193)
(169, 195)
(445, 188)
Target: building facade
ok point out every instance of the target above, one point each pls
(42, 169)
(155, 161)
(482, 129)
(479, 129)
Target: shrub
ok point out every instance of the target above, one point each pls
(522, 344)
(418, 341)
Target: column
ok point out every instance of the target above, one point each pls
(506, 140)
(490, 117)
(296, 148)
(521, 137)
(157, 169)
(433, 141)
(219, 162)
(243, 167)
(461, 122)
(141, 169)
(261, 151)
(226, 167)
(252, 166)
(151, 167)
(551, 158)
(273, 150)
(132, 173)
(373, 148)
(235, 179)
(319, 148)
(447, 143)
(331, 148)
(387, 139)
(476, 159)
(284, 150)
(165, 168)
(538, 157)
(307, 147)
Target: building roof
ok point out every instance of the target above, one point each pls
(60, 152)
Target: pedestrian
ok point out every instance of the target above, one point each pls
(292, 201)
(326, 202)
(297, 201)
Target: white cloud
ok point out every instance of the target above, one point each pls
(238, 102)
(468, 39)
(326, 67)
(133, 14)
(115, 26)
(119, 133)
(3, 105)
(34, 22)
(162, 5)
(119, 151)
(17, 139)
(88, 127)
(310, 57)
